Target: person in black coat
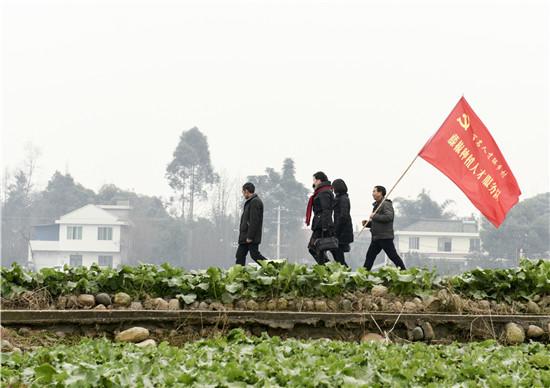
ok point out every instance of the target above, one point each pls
(343, 227)
(250, 229)
(321, 203)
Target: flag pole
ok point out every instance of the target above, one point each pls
(389, 193)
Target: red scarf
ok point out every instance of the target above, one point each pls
(310, 202)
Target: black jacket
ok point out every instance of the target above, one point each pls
(251, 220)
(343, 227)
(323, 204)
(381, 226)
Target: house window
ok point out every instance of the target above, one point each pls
(104, 233)
(105, 261)
(414, 242)
(444, 244)
(75, 260)
(74, 232)
(474, 245)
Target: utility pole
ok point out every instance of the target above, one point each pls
(278, 232)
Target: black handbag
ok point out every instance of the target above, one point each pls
(326, 243)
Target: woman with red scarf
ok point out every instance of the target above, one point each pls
(321, 204)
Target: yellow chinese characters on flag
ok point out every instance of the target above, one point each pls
(464, 150)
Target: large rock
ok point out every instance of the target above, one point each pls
(397, 306)
(160, 304)
(373, 307)
(346, 305)
(217, 306)
(6, 346)
(385, 305)
(134, 334)
(282, 304)
(309, 305)
(252, 305)
(432, 304)
(457, 303)
(534, 331)
(147, 304)
(428, 331)
(240, 304)
(136, 306)
(103, 299)
(532, 308)
(271, 305)
(332, 305)
(174, 304)
(417, 334)
(194, 305)
(372, 337)
(379, 291)
(321, 306)
(545, 301)
(147, 342)
(122, 299)
(514, 334)
(410, 306)
(155, 304)
(86, 300)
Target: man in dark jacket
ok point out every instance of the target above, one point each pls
(381, 228)
(250, 230)
(343, 227)
(321, 203)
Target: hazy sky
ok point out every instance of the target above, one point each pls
(104, 88)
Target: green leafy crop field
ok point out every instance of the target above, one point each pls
(277, 279)
(238, 361)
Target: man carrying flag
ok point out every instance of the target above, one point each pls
(464, 150)
(381, 228)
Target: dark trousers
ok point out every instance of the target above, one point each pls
(321, 256)
(387, 245)
(243, 250)
(338, 254)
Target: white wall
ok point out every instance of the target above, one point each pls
(89, 242)
(57, 253)
(429, 244)
(89, 218)
(59, 259)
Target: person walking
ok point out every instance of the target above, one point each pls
(343, 227)
(321, 204)
(250, 229)
(381, 228)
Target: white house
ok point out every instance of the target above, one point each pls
(91, 234)
(448, 239)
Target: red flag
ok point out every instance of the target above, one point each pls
(464, 150)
